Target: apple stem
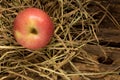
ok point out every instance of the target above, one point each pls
(33, 31)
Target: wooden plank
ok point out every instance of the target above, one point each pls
(98, 51)
(109, 35)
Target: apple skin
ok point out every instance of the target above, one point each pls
(33, 28)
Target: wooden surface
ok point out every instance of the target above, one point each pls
(110, 35)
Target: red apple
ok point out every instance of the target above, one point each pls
(33, 28)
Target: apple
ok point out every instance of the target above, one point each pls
(33, 28)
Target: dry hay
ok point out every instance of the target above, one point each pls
(74, 28)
